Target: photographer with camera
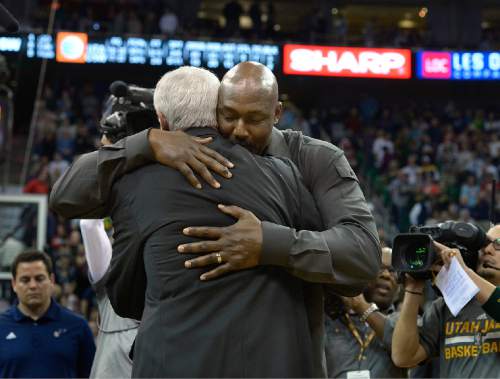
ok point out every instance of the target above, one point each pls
(489, 294)
(467, 345)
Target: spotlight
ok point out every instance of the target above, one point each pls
(423, 12)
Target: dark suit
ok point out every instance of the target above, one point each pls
(252, 323)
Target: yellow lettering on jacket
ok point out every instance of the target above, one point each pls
(475, 326)
(449, 328)
(485, 348)
(465, 328)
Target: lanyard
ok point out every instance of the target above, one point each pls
(363, 344)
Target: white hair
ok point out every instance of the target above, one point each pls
(187, 97)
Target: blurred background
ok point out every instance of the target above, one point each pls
(408, 89)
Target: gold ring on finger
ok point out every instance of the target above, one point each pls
(219, 258)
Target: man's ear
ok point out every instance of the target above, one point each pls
(13, 284)
(163, 121)
(277, 112)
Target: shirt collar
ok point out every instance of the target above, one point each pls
(53, 313)
(278, 146)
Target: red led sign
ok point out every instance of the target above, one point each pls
(347, 61)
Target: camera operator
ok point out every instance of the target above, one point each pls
(467, 345)
(116, 334)
(489, 294)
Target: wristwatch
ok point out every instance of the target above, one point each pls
(372, 308)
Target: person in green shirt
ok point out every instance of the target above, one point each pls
(489, 294)
(467, 344)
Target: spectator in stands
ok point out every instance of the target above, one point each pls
(65, 103)
(89, 101)
(401, 192)
(420, 211)
(118, 25)
(83, 141)
(318, 25)
(469, 193)
(39, 184)
(447, 152)
(39, 338)
(232, 13)
(271, 20)
(65, 144)
(464, 154)
(134, 24)
(369, 32)
(412, 170)
(168, 23)
(465, 216)
(353, 121)
(255, 13)
(57, 167)
(492, 123)
(382, 141)
(151, 23)
(467, 344)
(428, 169)
(46, 147)
(360, 339)
(340, 28)
(482, 209)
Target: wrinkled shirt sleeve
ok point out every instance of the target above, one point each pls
(346, 254)
(83, 190)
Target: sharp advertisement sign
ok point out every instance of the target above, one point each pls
(347, 62)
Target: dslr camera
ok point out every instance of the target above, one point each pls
(414, 252)
(128, 110)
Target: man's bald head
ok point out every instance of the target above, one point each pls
(252, 76)
(494, 230)
(248, 105)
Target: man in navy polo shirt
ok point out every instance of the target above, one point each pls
(38, 337)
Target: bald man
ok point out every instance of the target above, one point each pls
(346, 255)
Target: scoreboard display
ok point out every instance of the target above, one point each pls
(291, 59)
(72, 47)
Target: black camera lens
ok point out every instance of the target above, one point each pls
(416, 256)
(412, 252)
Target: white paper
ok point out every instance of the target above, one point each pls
(456, 286)
(363, 374)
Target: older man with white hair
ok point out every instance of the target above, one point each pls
(251, 323)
